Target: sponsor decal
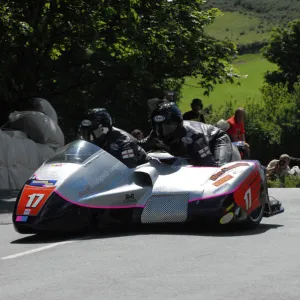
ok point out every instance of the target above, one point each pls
(79, 183)
(227, 218)
(87, 187)
(27, 212)
(224, 170)
(221, 188)
(223, 180)
(21, 218)
(129, 198)
(217, 175)
(32, 200)
(230, 207)
(127, 153)
(204, 152)
(56, 165)
(93, 184)
(186, 140)
(34, 182)
(159, 118)
(200, 141)
(86, 123)
(237, 171)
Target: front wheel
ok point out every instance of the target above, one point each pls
(254, 218)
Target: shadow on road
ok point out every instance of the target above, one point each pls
(147, 230)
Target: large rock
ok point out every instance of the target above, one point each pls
(38, 127)
(30, 138)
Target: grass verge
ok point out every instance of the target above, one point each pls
(253, 66)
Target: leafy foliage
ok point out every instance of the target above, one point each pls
(283, 50)
(272, 125)
(290, 181)
(107, 53)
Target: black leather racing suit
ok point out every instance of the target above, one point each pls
(152, 142)
(204, 144)
(124, 147)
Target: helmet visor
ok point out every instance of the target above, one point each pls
(85, 130)
(100, 131)
(85, 134)
(165, 129)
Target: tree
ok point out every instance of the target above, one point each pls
(283, 50)
(110, 53)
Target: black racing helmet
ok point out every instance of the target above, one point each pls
(165, 119)
(97, 123)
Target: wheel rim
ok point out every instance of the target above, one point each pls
(256, 215)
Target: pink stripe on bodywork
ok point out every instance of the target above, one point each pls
(96, 206)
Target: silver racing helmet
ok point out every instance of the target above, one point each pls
(166, 119)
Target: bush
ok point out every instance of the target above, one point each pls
(288, 182)
(274, 183)
(272, 125)
(224, 111)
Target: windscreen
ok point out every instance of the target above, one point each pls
(76, 152)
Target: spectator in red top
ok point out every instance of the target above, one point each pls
(237, 128)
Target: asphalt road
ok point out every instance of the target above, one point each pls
(169, 264)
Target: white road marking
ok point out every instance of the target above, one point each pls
(42, 248)
(36, 250)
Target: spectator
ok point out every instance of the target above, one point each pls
(240, 145)
(195, 114)
(278, 169)
(237, 128)
(138, 134)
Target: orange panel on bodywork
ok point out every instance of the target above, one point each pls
(223, 180)
(247, 195)
(32, 199)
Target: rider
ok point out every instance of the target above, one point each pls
(204, 144)
(152, 142)
(97, 128)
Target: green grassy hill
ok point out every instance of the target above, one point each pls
(243, 22)
(248, 21)
(274, 11)
(239, 28)
(252, 65)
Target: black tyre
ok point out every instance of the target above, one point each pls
(254, 218)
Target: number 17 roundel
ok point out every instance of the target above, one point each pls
(32, 200)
